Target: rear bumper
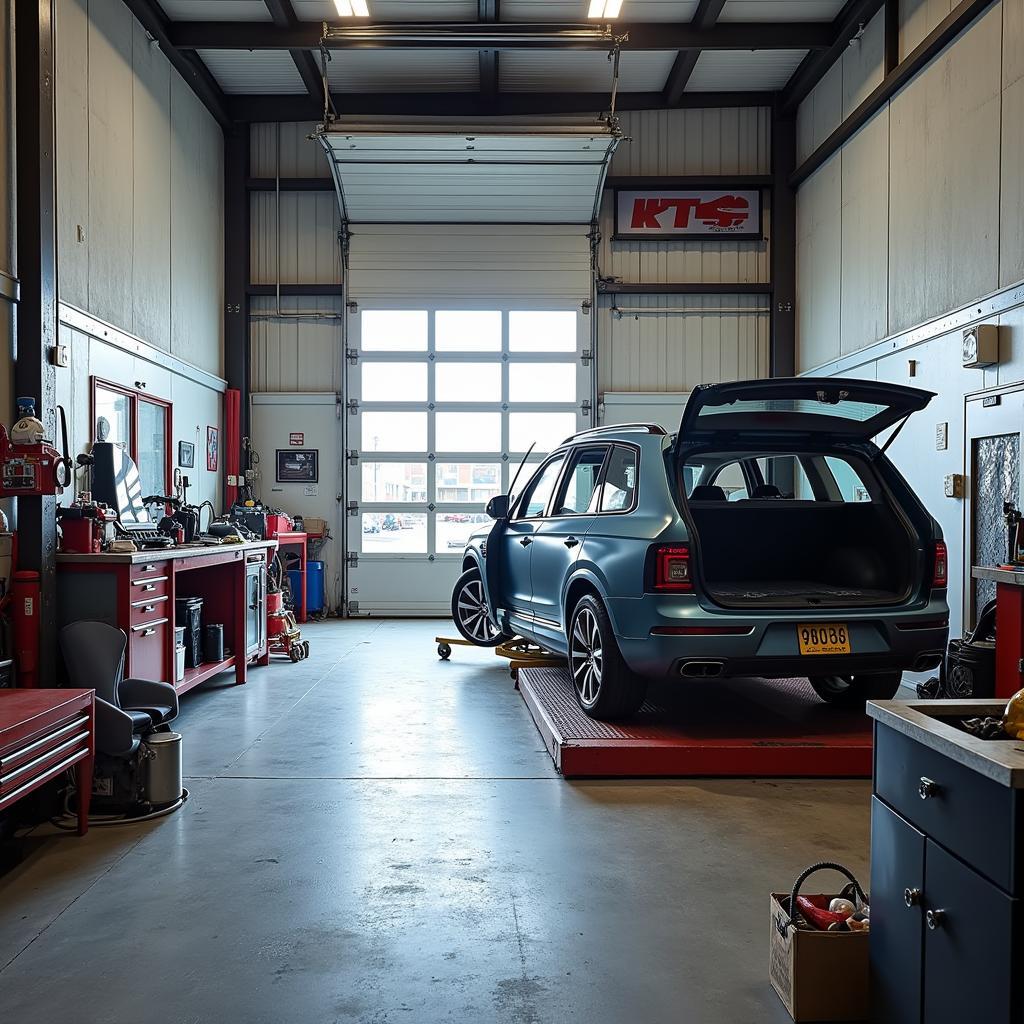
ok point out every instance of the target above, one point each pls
(766, 644)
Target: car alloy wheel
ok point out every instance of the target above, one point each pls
(471, 613)
(586, 657)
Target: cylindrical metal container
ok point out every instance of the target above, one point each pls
(163, 768)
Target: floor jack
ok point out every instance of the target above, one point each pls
(520, 653)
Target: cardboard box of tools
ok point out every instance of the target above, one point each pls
(819, 976)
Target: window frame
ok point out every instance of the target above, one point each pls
(571, 461)
(561, 456)
(599, 493)
(135, 397)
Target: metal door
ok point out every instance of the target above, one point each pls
(443, 402)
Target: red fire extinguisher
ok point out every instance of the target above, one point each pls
(25, 594)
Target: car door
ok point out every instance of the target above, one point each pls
(559, 536)
(518, 539)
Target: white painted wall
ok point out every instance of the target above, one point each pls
(7, 186)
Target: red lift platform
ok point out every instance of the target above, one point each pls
(737, 727)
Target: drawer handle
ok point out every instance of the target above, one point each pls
(148, 587)
(148, 632)
(146, 628)
(912, 897)
(927, 788)
(148, 568)
(934, 919)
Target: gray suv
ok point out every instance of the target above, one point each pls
(769, 537)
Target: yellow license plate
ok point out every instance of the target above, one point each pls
(823, 638)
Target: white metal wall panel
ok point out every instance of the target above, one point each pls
(780, 10)
(7, 165)
(309, 252)
(254, 71)
(1011, 247)
(296, 353)
(944, 225)
(720, 140)
(582, 70)
(918, 18)
(423, 262)
(288, 148)
(675, 351)
(406, 70)
(576, 10)
(392, 10)
(724, 70)
(864, 64)
(215, 10)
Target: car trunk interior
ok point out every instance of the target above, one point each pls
(798, 552)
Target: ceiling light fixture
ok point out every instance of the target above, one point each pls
(604, 8)
(352, 8)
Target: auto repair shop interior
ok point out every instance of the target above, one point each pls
(511, 511)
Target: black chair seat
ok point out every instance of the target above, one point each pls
(158, 713)
(142, 721)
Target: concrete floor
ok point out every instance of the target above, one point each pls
(377, 836)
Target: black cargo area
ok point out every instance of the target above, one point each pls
(785, 553)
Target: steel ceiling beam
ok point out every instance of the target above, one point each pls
(930, 47)
(471, 104)
(848, 24)
(234, 35)
(704, 18)
(283, 15)
(188, 65)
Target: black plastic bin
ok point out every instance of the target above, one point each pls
(188, 612)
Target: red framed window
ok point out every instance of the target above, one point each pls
(141, 424)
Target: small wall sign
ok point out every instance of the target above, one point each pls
(695, 214)
(212, 449)
(296, 438)
(186, 454)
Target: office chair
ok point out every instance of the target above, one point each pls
(126, 709)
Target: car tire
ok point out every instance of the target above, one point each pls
(605, 686)
(852, 691)
(469, 610)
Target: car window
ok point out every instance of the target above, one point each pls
(731, 479)
(786, 475)
(580, 481)
(535, 500)
(849, 483)
(619, 480)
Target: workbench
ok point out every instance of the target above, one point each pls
(43, 733)
(1009, 626)
(136, 592)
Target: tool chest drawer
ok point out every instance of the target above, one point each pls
(149, 586)
(140, 570)
(147, 608)
(956, 806)
(147, 650)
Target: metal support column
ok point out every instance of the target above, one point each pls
(36, 317)
(782, 358)
(236, 269)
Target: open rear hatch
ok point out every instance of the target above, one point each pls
(833, 538)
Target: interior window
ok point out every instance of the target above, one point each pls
(581, 481)
(731, 479)
(847, 480)
(784, 477)
(619, 480)
(535, 500)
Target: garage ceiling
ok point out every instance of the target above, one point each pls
(263, 57)
(498, 171)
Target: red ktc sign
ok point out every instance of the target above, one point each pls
(698, 213)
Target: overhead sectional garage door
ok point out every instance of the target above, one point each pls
(468, 279)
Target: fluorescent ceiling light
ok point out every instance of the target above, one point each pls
(604, 8)
(352, 8)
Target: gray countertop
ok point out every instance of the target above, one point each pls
(163, 554)
(1015, 577)
(930, 722)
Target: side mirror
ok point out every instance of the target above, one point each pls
(497, 507)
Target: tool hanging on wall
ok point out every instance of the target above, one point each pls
(29, 463)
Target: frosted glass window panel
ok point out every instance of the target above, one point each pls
(393, 432)
(389, 482)
(467, 382)
(542, 382)
(467, 330)
(394, 533)
(547, 429)
(467, 482)
(394, 382)
(394, 330)
(545, 330)
(468, 432)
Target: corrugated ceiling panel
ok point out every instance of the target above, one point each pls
(405, 71)
(743, 69)
(215, 10)
(582, 71)
(576, 10)
(253, 71)
(780, 10)
(392, 10)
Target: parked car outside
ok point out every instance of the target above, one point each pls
(771, 536)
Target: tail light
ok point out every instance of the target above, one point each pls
(672, 568)
(940, 565)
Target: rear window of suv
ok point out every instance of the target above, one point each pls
(812, 477)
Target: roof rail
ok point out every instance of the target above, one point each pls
(611, 428)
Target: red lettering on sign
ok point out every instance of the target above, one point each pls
(724, 212)
(647, 211)
(684, 207)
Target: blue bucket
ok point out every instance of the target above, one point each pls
(314, 586)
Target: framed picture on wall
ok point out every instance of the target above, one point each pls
(212, 448)
(186, 454)
(298, 466)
